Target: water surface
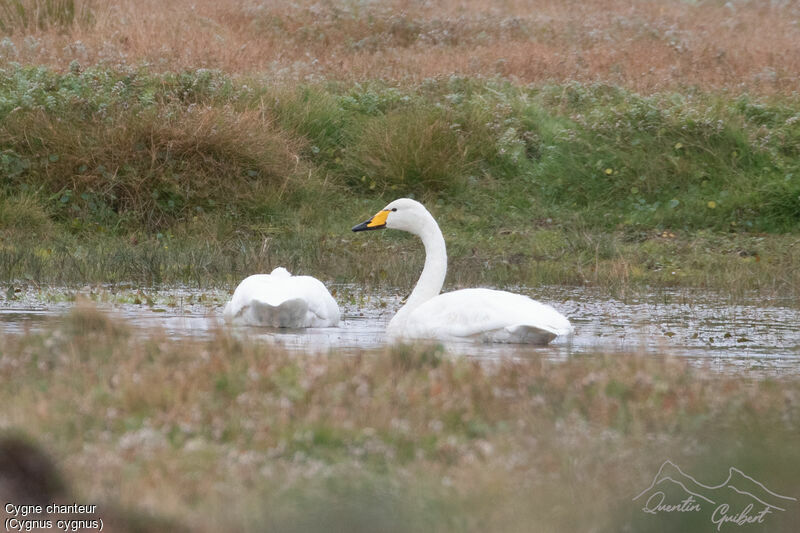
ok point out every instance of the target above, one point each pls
(758, 335)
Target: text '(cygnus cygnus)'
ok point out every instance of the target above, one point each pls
(281, 300)
(479, 314)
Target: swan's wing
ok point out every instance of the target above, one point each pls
(262, 288)
(320, 302)
(245, 293)
(490, 315)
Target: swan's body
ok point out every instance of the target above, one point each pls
(483, 315)
(281, 300)
(470, 314)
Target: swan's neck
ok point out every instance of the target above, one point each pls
(432, 278)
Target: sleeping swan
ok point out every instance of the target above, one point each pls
(470, 314)
(281, 300)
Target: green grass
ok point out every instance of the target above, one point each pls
(732, 263)
(230, 434)
(198, 177)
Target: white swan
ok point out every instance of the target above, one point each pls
(281, 300)
(475, 314)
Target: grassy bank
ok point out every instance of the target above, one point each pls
(198, 177)
(229, 435)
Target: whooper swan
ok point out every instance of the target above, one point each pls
(470, 314)
(281, 300)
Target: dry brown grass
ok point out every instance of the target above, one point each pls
(643, 45)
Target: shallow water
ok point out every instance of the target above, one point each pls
(753, 334)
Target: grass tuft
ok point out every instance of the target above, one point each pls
(23, 216)
(149, 163)
(411, 151)
(85, 319)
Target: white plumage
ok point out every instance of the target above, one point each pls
(484, 315)
(281, 300)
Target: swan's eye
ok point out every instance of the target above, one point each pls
(394, 209)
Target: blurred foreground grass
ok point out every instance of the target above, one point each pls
(227, 434)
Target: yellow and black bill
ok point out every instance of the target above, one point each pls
(376, 222)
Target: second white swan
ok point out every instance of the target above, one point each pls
(469, 314)
(280, 300)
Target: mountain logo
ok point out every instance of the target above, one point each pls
(739, 500)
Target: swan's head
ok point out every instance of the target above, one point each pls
(403, 214)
